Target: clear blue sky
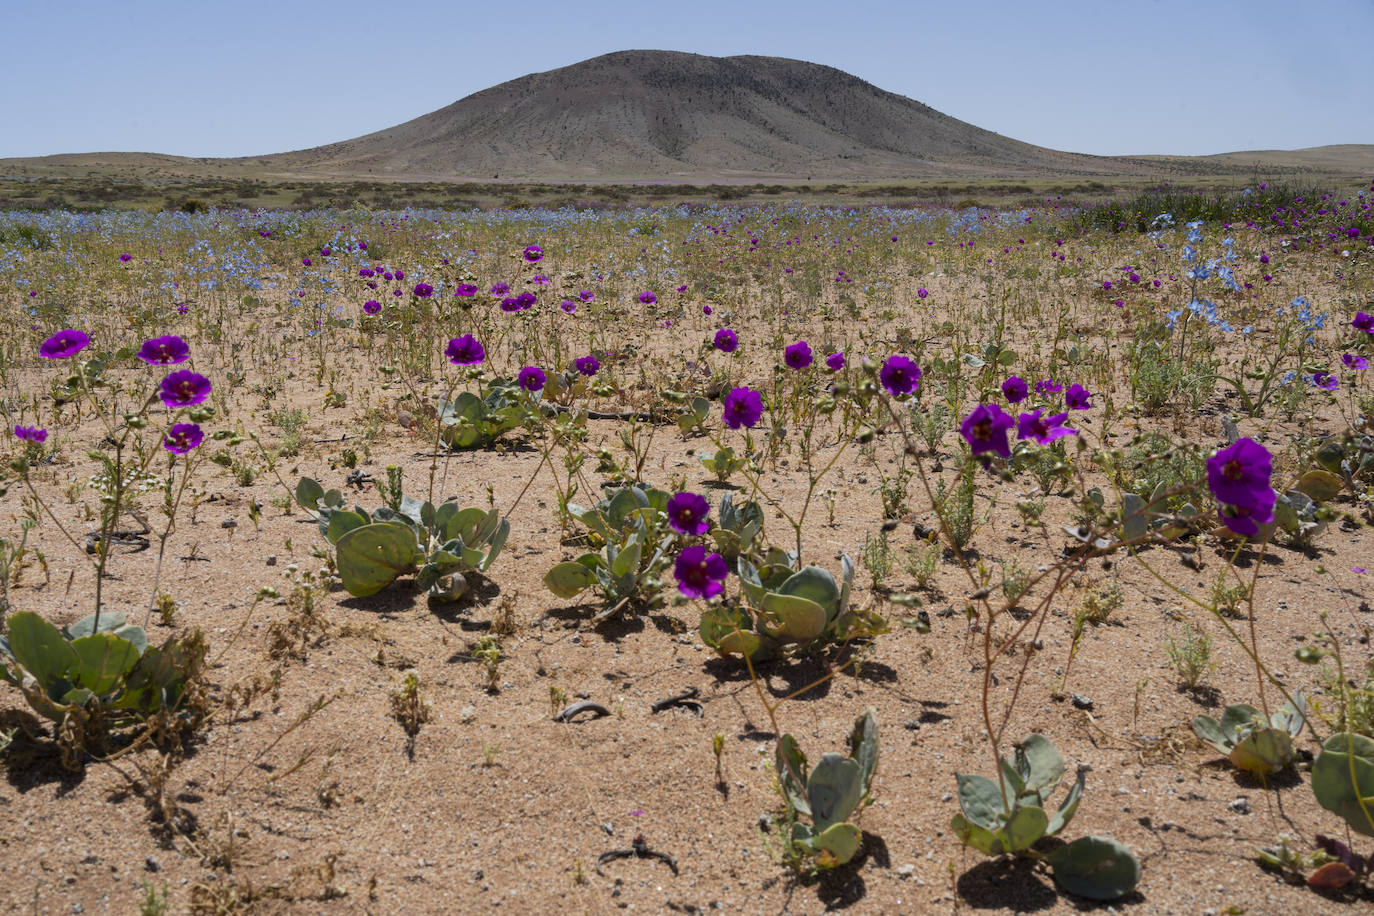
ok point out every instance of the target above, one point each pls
(205, 78)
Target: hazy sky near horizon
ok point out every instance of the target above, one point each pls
(1111, 77)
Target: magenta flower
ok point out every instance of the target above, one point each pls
(526, 300)
(587, 365)
(699, 574)
(184, 388)
(533, 253)
(372, 307)
(726, 341)
(568, 306)
(1363, 322)
(423, 290)
(586, 295)
(366, 272)
(1043, 429)
(465, 351)
(985, 429)
(900, 376)
(1078, 397)
(125, 258)
(1354, 362)
(531, 378)
(63, 344)
(182, 308)
(1239, 476)
(1047, 387)
(743, 407)
(1325, 381)
(31, 434)
(305, 262)
(400, 275)
(182, 437)
(465, 290)
(647, 297)
(325, 252)
(706, 310)
(835, 362)
(540, 280)
(922, 292)
(164, 351)
(500, 288)
(687, 513)
(510, 304)
(1015, 389)
(797, 355)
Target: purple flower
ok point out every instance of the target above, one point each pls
(423, 290)
(64, 343)
(1047, 387)
(797, 355)
(500, 288)
(533, 253)
(922, 292)
(510, 304)
(687, 513)
(706, 310)
(125, 258)
(31, 434)
(1078, 397)
(182, 308)
(531, 378)
(526, 300)
(465, 351)
(587, 365)
(465, 289)
(1363, 322)
(647, 297)
(586, 295)
(184, 388)
(1325, 381)
(540, 280)
(325, 252)
(371, 307)
(400, 275)
(699, 574)
(1043, 429)
(305, 261)
(568, 306)
(683, 289)
(1239, 476)
(743, 407)
(726, 341)
(164, 351)
(366, 272)
(835, 362)
(900, 376)
(182, 437)
(1015, 389)
(1354, 362)
(985, 429)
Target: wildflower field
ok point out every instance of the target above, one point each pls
(745, 559)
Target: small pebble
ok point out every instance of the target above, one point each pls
(1082, 702)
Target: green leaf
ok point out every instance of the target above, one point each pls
(981, 800)
(1068, 808)
(39, 648)
(109, 620)
(836, 845)
(863, 747)
(1040, 763)
(626, 561)
(372, 557)
(105, 661)
(1209, 731)
(1025, 826)
(342, 521)
(834, 790)
(1095, 867)
(1263, 751)
(567, 580)
(1321, 485)
(1343, 780)
(980, 838)
(798, 619)
(308, 494)
(793, 773)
